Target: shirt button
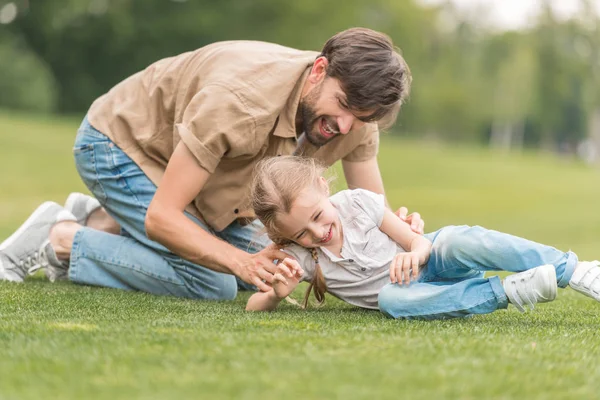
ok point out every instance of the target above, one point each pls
(350, 260)
(236, 211)
(363, 269)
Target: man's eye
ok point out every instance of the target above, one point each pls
(317, 216)
(343, 105)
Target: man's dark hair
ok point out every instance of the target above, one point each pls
(371, 72)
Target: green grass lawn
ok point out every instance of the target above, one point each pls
(71, 342)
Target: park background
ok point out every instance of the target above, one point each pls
(502, 129)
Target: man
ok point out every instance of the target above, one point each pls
(169, 152)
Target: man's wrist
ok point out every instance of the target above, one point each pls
(239, 262)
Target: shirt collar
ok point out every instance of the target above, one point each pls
(286, 122)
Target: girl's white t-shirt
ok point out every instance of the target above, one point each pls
(363, 270)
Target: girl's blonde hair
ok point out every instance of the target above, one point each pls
(277, 183)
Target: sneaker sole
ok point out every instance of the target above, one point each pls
(40, 210)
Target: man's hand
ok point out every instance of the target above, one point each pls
(258, 268)
(287, 277)
(417, 225)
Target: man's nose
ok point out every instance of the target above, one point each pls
(345, 123)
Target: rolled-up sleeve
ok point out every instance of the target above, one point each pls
(217, 124)
(368, 146)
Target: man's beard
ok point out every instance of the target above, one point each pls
(310, 118)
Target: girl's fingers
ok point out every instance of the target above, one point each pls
(393, 270)
(415, 267)
(406, 269)
(294, 265)
(284, 269)
(280, 278)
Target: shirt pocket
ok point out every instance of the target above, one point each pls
(378, 248)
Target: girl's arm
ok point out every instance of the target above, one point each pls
(263, 301)
(417, 247)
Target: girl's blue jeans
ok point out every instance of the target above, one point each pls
(130, 260)
(452, 282)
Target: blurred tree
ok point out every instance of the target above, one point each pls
(469, 83)
(552, 81)
(90, 45)
(25, 82)
(510, 70)
(588, 46)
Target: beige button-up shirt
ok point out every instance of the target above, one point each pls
(232, 104)
(367, 252)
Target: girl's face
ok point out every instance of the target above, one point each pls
(312, 221)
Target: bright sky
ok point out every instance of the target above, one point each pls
(514, 14)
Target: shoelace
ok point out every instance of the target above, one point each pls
(35, 262)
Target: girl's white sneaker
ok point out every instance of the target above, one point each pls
(536, 285)
(586, 279)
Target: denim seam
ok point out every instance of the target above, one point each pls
(75, 253)
(569, 269)
(134, 268)
(498, 290)
(472, 306)
(120, 175)
(442, 313)
(95, 177)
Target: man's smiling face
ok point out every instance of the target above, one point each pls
(324, 111)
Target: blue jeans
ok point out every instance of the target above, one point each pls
(130, 260)
(452, 282)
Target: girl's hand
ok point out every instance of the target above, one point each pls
(404, 267)
(258, 268)
(287, 277)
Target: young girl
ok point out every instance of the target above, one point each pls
(353, 247)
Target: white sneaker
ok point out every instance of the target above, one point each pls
(81, 206)
(586, 279)
(537, 285)
(28, 249)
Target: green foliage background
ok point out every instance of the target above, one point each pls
(536, 87)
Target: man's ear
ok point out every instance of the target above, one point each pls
(318, 71)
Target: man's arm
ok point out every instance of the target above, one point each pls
(366, 175)
(166, 223)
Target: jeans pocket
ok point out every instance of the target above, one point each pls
(86, 137)
(129, 179)
(85, 163)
